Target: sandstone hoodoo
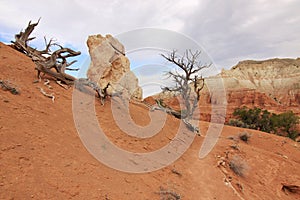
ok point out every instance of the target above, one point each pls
(110, 68)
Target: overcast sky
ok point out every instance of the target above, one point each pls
(228, 30)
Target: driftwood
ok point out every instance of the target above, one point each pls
(47, 95)
(161, 106)
(53, 64)
(84, 82)
(288, 188)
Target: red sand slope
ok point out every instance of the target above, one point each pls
(42, 156)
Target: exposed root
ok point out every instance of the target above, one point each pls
(191, 127)
(160, 106)
(228, 179)
(47, 83)
(47, 95)
(53, 63)
(228, 183)
(82, 82)
(174, 171)
(62, 85)
(287, 188)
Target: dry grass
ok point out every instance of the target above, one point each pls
(166, 194)
(5, 85)
(238, 166)
(245, 136)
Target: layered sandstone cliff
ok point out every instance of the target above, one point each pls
(272, 84)
(278, 79)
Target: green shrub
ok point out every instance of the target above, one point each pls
(238, 123)
(286, 123)
(263, 120)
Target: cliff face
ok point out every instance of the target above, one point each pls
(278, 79)
(271, 84)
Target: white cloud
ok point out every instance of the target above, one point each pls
(228, 30)
(232, 30)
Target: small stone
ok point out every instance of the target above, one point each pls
(284, 156)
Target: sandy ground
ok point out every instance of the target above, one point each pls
(42, 156)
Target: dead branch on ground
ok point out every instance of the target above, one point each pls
(47, 95)
(53, 63)
(6, 86)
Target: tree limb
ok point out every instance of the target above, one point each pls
(57, 60)
(187, 83)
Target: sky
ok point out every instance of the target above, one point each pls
(227, 30)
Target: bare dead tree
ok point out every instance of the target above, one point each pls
(188, 83)
(55, 63)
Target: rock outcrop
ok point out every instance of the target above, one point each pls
(110, 68)
(277, 78)
(271, 84)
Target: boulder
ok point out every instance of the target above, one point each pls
(110, 68)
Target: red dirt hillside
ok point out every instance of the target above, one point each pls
(42, 156)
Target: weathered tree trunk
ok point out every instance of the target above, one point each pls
(53, 64)
(188, 84)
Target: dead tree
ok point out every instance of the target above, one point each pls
(188, 83)
(55, 63)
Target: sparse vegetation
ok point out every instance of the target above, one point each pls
(285, 123)
(238, 166)
(281, 124)
(235, 146)
(5, 85)
(238, 123)
(166, 194)
(245, 136)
